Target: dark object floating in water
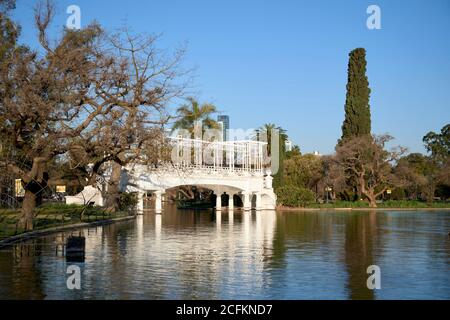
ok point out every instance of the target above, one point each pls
(75, 249)
(194, 204)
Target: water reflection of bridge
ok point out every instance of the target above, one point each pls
(210, 250)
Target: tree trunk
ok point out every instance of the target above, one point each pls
(112, 194)
(34, 183)
(371, 196)
(372, 201)
(27, 213)
(430, 190)
(369, 193)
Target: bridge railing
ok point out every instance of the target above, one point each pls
(237, 156)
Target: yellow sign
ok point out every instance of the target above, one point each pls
(61, 189)
(20, 191)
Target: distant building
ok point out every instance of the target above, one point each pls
(224, 123)
(288, 145)
(316, 153)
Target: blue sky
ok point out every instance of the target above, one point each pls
(286, 61)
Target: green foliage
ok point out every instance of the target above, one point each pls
(303, 170)
(192, 112)
(398, 194)
(294, 196)
(127, 201)
(265, 134)
(59, 206)
(347, 196)
(278, 178)
(424, 177)
(412, 204)
(294, 152)
(389, 204)
(438, 144)
(53, 215)
(340, 204)
(357, 109)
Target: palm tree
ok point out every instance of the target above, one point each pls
(192, 112)
(267, 130)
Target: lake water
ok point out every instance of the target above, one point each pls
(254, 255)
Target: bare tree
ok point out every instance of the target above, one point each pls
(49, 101)
(140, 87)
(366, 159)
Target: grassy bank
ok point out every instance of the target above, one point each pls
(391, 204)
(54, 215)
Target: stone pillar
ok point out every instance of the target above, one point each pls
(140, 203)
(219, 202)
(247, 201)
(158, 201)
(268, 180)
(231, 202)
(258, 201)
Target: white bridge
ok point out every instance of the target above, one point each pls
(225, 167)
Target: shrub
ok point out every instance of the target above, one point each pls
(398, 194)
(127, 201)
(294, 196)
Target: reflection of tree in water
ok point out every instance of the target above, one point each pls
(311, 234)
(300, 230)
(360, 233)
(114, 238)
(6, 266)
(24, 272)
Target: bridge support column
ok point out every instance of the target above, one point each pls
(219, 202)
(258, 201)
(158, 201)
(230, 202)
(140, 202)
(247, 202)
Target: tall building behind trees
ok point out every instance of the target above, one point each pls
(224, 122)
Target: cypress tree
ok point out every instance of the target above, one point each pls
(357, 108)
(278, 178)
